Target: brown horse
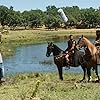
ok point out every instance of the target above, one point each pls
(59, 59)
(91, 58)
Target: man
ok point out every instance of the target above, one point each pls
(70, 50)
(97, 41)
(1, 68)
(71, 43)
(0, 36)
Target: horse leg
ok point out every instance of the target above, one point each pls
(96, 71)
(60, 72)
(84, 69)
(89, 73)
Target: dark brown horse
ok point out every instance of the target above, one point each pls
(91, 57)
(59, 58)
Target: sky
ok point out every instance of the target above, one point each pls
(21, 5)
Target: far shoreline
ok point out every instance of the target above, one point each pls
(14, 39)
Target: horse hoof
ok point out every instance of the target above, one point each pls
(96, 81)
(61, 79)
(82, 81)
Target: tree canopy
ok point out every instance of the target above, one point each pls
(79, 18)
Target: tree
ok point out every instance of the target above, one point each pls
(14, 19)
(3, 15)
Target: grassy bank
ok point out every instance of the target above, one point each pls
(39, 86)
(44, 86)
(14, 39)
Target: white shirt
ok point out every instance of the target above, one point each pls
(1, 60)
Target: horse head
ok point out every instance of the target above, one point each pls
(84, 42)
(52, 48)
(49, 49)
(81, 42)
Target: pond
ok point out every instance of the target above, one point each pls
(32, 58)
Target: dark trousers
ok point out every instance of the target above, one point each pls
(1, 74)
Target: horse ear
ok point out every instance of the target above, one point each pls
(48, 42)
(51, 43)
(82, 36)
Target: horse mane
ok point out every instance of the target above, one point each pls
(57, 47)
(56, 50)
(90, 46)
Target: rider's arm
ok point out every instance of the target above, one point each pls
(73, 45)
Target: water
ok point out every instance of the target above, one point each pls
(28, 58)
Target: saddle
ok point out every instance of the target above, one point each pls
(60, 56)
(76, 58)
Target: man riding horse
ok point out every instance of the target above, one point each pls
(70, 50)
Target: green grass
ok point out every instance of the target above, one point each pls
(41, 85)
(14, 39)
(45, 86)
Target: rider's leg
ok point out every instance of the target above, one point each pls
(67, 58)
